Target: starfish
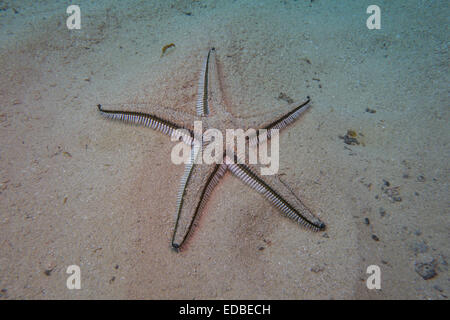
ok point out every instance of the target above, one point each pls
(199, 180)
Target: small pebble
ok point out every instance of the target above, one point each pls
(374, 237)
(421, 178)
(366, 221)
(285, 97)
(350, 140)
(382, 212)
(317, 269)
(426, 270)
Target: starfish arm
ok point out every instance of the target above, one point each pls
(197, 185)
(278, 194)
(283, 117)
(171, 122)
(296, 109)
(210, 88)
(202, 106)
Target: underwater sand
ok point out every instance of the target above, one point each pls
(76, 189)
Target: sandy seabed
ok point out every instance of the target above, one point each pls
(76, 189)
